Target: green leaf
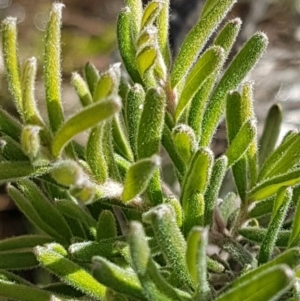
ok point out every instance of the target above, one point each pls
(142, 263)
(70, 273)
(32, 215)
(108, 83)
(295, 233)
(17, 260)
(95, 154)
(84, 251)
(30, 111)
(151, 12)
(168, 144)
(12, 171)
(283, 159)
(52, 67)
(212, 191)
(240, 66)
(145, 59)
(198, 104)
(281, 205)
(210, 62)
(196, 262)
(30, 141)
(22, 292)
(120, 138)
(196, 39)
(133, 112)
(198, 175)
(292, 138)
(82, 89)
(136, 8)
(227, 35)
(162, 24)
(11, 150)
(91, 76)
(257, 235)
(289, 257)
(268, 187)
(261, 208)
(11, 64)
(106, 225)
(146, 37)
(74, 209)
(270, 133)
(138, 177)
(88, 117)
(252, 153)
(148, 142)
(117, 278)
(272, 283)
(125, 25)
(170, 240)
(185, 141)
(23, 242)
(241, 142)
(10, 126)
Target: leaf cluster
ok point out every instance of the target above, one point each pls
(106, 224)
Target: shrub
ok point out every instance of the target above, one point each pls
(106, 225)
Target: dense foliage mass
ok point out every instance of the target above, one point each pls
(105, 224)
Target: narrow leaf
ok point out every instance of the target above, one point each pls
(17, 260)
(196, 39)
(267, 245)
(52, 67)
(10, 56)
(95, 154)
(153, 114)
(151, 11)
(268, 187)
(196, 262)
(272, 283)
(30, 112)
(227, 35)
(138, 177)
(141, 261)
(10, 126)
(22, 292)
(106, 225)
(281, 155)
(241, 142)
(210, 62)
(82, 89)
(133, 112)
(23, 242)
(145, 59)
(126, 43)
(212, 191)
(70, 273)
(198, 175)
(28, 210)
(170, 240)
(117, 278)
(295, 233)
(162, 24)
(85, 119)
(257, 235)
(270, 133)
(91, 76)
(185, 141)
(240, 66)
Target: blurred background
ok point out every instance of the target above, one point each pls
(89, 35)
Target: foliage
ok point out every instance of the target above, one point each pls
(106, 225)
